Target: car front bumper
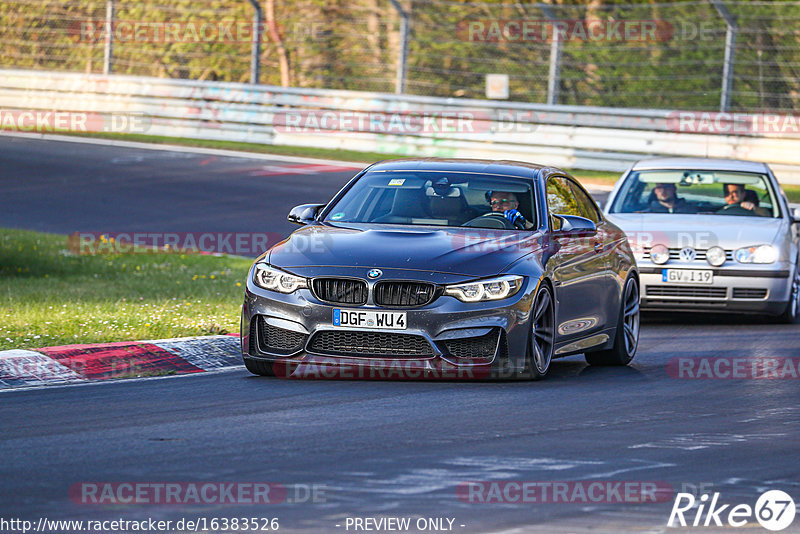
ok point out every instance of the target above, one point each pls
(752, 288)
(499, 328)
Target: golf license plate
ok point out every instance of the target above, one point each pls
(687, 276)
(369, 319)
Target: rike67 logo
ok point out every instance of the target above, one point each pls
(774, 510)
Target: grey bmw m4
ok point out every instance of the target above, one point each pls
(443, 268)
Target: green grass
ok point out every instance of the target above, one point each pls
(792, 193)
(595, 177)
(49, 296)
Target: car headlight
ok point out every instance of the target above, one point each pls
(480, 290)
(659, 254)
(715, 256)
(757, 254)
(275, 280)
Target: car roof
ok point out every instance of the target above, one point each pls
(519, 169)
(705, 164)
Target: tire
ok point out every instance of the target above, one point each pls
(541, 344)
(626, 339)
(258, 367)
(789, 315)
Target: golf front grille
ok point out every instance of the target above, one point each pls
(404, 294)
(749, 293)
(474, 347)
(373, 344)
(340, 290)
(276, 340)
(700, 254)
(687, 291)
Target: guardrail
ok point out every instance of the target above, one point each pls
(567, 136)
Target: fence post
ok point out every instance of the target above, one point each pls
(255, 51)
(554, 76)
(400, 82)
(108, 53)
(730, 50)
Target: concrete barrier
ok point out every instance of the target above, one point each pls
(568, 136)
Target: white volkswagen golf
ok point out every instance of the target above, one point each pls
(710, 235)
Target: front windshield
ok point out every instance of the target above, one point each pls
(434, 198)
(703, 192)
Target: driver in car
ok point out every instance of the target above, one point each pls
(735, 195)
(507, 204)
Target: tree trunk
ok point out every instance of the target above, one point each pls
(274, 34)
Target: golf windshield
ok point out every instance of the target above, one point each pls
(431, 198)
(700, 192)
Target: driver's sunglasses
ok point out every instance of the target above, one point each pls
(732, 191)
(502, 201)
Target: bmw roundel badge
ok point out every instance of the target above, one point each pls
(374, 273)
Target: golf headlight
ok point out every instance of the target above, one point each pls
(659, 254)
(491, 289)
(757, 254)
(715, 256)
(275, 280)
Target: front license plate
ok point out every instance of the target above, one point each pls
(369, 319)
(687, 276)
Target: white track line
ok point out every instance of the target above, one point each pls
(122, 380)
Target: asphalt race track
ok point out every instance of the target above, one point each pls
(373, 449)
(70, 187)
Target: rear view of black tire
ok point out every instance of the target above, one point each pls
(258, 367)
(627, 337)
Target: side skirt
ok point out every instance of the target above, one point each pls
(596, 341)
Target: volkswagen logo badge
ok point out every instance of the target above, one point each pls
(688, 254)
(374, 273)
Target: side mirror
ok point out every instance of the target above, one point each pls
(574, 225)
(304, 214)
(796, 216)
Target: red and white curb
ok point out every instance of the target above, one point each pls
(103, 361)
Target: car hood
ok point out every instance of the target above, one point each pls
(698, 231)
(470, 251)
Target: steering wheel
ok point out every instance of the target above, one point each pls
(734, 209)
(492, 219)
